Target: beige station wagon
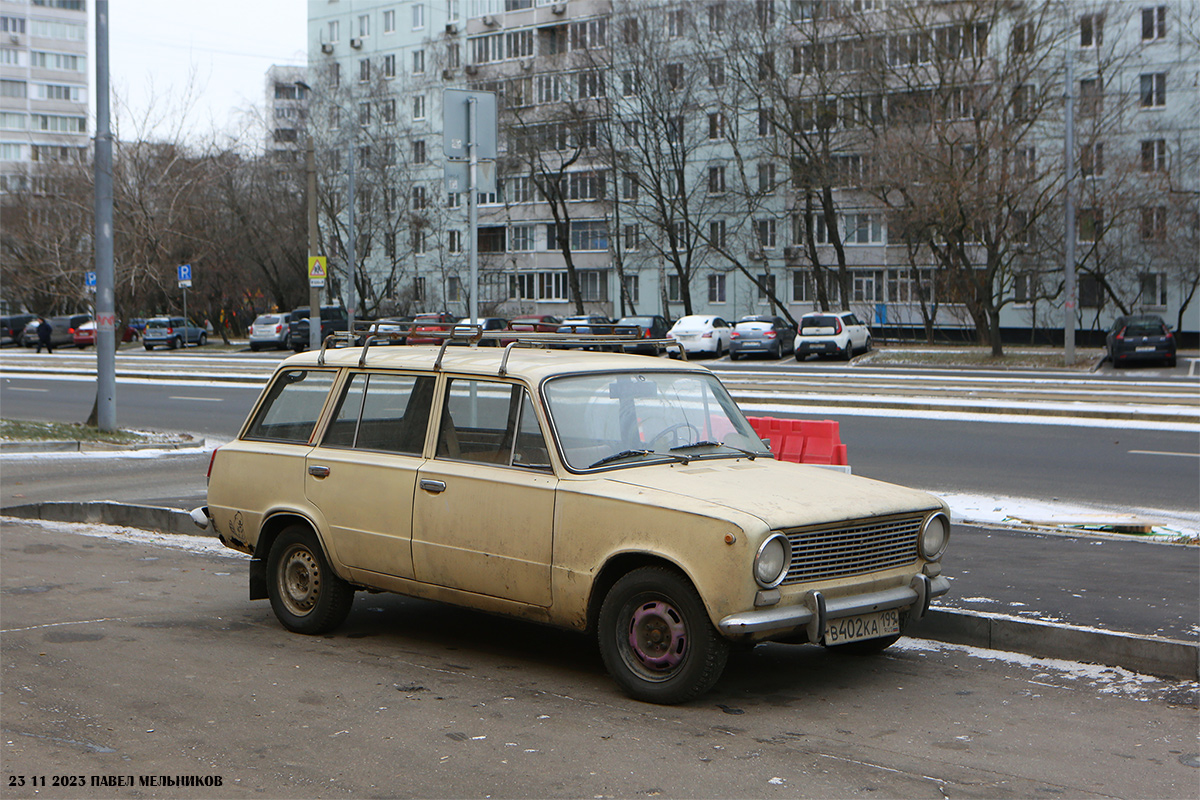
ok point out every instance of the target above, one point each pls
(618, 494)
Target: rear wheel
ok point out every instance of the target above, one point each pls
(656, 639)
(174, 343)
(203, 340)
(305, 594)
(149, 346)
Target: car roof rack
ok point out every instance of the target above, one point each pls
(618, 338)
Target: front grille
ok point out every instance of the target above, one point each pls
(852, 548)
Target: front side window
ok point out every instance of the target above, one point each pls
(292, 405)
(490, 422)
(619, 419)
(381, 412)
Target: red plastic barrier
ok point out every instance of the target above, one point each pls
(801, 440)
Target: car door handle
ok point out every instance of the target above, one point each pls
(433, 486)
(318, 472)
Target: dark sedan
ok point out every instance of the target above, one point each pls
(1140, 337)
(761, 334)
(648, 327)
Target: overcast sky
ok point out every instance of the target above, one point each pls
(221, 49)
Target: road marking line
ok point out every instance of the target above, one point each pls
(1163, 453)
(198, 399)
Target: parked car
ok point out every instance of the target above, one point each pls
(761, 334)
(1140, 337)
(491, 324)
(333, 318)
(700, 333)
(584, 325)
(134, 330)
(389, 330)
(11, 328)
(431, 323)
(555, 486)
(85, 334)
(648, 327)
(536, 323)
(839, 334)
(271, 330)
(62, 330)
(172, 332)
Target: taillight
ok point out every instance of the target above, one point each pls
(837, 326)
(1167, 334)
(170, 331)
(769, 334)
(706, 335)
(1121, 335)
(735, 335)
(278, 328)
(211, 459)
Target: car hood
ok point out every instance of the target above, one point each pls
(781, 494)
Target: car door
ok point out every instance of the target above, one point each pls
(723, 334)
(363, 473)
(483, 515)
(857, 331)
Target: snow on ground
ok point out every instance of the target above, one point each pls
(206, 545)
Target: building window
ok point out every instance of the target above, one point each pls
(765, 232)
(492, 239)
(1091, 294)
(589, 236)
(453, 56)
(674, 289)
(454, 241)
(1154, 90)
(418, 16)
(716, 17)
(867, 286)
(585, 186)
(364, 114)
(587, 35)
(1091, 160)
(633, 238)
(418, 152)
(801, 286)
(521, 238)
(1153, 288)
(389, 66)
(716, 287)
(1154, 155)
(1091, 99)
(674, 130)
(716, 180)
(1091, 30)
(716, 125)
(418, 106)
(389, 245)
(765, 284)
(418, 62)
(1090, 223)
(335, 74)
(716, 234)
(629, 186)
(420, 200)
(364, 70)
(766, 178)
(387, 110)
(1154, 23)
(1025, 288)
(418, 240)
(552, 286)
(862, 228)
(675, 21)
(1023, 38)
(593, 285)
(364, 24)
(519, 44)
(675, 76)
(389, 21)
(334, 31)
(716, 72)
(764, 122)
(633, 289)
(1154, 224)
(591, 84)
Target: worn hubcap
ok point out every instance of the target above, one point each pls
(658, 636)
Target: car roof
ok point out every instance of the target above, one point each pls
(531, 364)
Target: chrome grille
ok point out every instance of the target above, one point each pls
(852, 548)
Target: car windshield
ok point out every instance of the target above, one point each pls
(613, 419)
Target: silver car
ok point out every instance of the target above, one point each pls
(270, 330)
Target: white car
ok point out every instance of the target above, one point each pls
(698, 333)
(832, 333)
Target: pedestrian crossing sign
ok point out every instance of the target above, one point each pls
(316, 271)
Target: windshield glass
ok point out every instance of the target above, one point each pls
(633, 417)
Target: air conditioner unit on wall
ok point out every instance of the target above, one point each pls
(326, 48)
(452, 28)
(356, 43)
(471, 69)
(559, 8)
(793, 252)
(447, 74)
(489, 20)
(527, 64)
(756, 255)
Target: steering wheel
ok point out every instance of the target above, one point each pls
(673, 432)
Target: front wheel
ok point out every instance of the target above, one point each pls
(656, 639)
(305, 594)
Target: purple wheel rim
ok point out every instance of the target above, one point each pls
(657, 635)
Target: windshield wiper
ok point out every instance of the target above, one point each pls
(632, 453)
(750, 454)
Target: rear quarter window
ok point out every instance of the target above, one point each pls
(292, 406)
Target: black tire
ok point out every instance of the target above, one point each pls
(644, 605)
(1171, 362)
(306, 596)
(174, 343)
(253, 347)
(868, 345)
(848, 353)
(149, 346)
(733, 356)
(203, 340)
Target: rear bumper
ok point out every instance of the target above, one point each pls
(816, 610)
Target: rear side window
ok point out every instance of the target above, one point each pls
(388, 413)
(292, 406)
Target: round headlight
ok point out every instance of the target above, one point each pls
(934, 536)
(771, 563)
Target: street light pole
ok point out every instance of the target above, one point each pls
(351, 256)
(1069, 216)
(314, 292)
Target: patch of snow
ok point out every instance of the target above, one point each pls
(207, 545)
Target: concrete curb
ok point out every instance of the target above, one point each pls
(91, 447)
(1151, 655)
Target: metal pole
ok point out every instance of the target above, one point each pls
(106, 318)
(1069, 217)
(314, 292)
(187, 323)
(473, 202)
(351, 257)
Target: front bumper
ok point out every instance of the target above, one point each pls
(816, 610)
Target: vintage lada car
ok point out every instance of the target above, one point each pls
(611, 493)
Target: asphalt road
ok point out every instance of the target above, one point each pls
(139, 660)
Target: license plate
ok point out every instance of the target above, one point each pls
(1145, 349)
(865, 626)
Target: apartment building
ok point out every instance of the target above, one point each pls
(44, 84)
(748, 157)
(287, 111)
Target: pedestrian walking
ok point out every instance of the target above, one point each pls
(43, 332)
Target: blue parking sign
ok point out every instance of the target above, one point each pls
(185, 275)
